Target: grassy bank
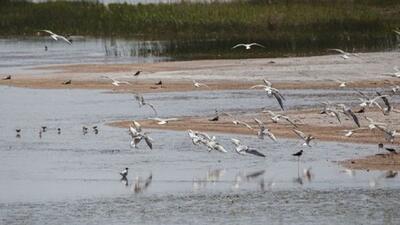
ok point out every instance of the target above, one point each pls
(210, 29)
(254, 19)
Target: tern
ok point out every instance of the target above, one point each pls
(116, 82)
(349, 113)
(264, 131)
(244, 149)
(135, 131)
(344, 55)
(124, 173)
(386, 110)
(197, 84)
(248, 46)
(276, 117)
(210, 142)
(141, 101)
(56, 36)
(307, 138)
(196, 139)
(161, 121)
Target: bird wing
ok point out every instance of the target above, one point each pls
(256, 44)
(354, 117)
(397, 32)
(300, 134)
(260, 124)
(238, 45)
(270, 135)
(279, 99)
(258, 86)
(246, 125)
(137, 125)
(235, 141)
(255, 152)
(337, 50)
(267, 83)
(152, 107)
(148, 141)
(64, 39)
(48, 31)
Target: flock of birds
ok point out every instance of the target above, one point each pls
(381, 100)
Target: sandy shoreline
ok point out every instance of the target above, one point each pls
(319, 72)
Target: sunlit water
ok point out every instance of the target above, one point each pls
(71, 178)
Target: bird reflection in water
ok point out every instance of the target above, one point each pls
(212, 176)
(142, 184)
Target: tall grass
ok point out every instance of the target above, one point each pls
(239, 19)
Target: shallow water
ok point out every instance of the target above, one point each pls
(71, 178)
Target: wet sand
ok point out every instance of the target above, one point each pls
(383, 161)
(365, 71)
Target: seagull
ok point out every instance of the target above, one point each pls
(372, 124)
(116, 82)
(135, 131)
(238, 122)
(141, 101)
(307, 138)
(349, 113)
(124, 173)
(342, 84)
(330, 111)
(57, 37)
(389, 134)
(349, 133)
(367, 101)
(345, 55)
(8, 77)
(276, 117)
(271, 92)
(248, 46)
(244, 149)
(264, 131)
(385, 100)
(395, 74)
(196, 140)
(67, 82)
(210, 142)
(197, 84)
(164, 121)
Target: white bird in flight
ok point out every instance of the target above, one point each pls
(197, 84)
(116, 82)
(395, 74)
(244, 149)
(141, 101)
(307, 138)
(161, 121)
(344, 55)
(248, 46)
(56, 36)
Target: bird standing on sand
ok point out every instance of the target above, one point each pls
(248, 46)
(67, 82)
(8, 77)
(56, 36)
(216, 117)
